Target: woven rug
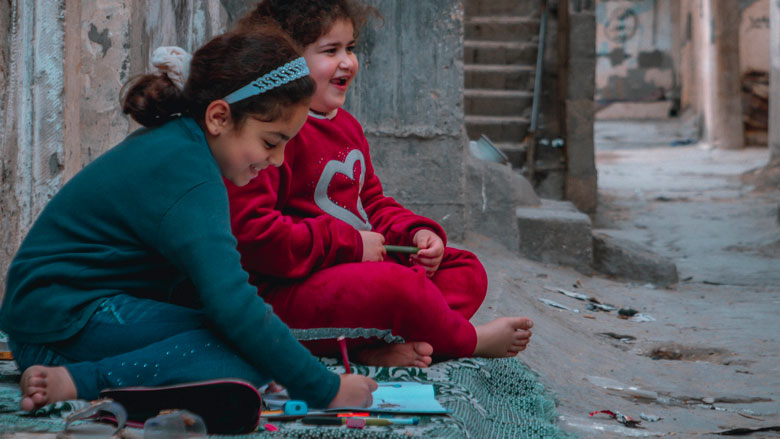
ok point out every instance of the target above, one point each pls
(489, 398)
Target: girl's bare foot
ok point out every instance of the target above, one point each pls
(414, 354)
(43, 385)
(503, 337)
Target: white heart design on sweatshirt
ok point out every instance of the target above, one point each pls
(347, 167)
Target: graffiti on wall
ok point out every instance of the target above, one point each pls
(633, 49)
(621, 24)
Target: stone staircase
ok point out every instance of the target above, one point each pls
(499, 57)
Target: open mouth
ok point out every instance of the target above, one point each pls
(340, 81)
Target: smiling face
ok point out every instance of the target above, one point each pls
(333, 65)
(241, 152)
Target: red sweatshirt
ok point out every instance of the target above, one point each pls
(305, 215)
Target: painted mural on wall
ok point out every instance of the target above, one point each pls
(754, 60)
(634, 41)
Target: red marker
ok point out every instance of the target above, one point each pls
(344, 357)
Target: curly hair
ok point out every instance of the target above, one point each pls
(223, 65)
(307, 20)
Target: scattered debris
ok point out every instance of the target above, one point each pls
(621, 337)
(642, 318)
(650, 418)
(577, 296)
(618, 388)
(748, 416)
(747, 431)
(625, 313)
(623, 419)
(709, 282)
(593, 303)
(557, 305)
(682, 142)
(595, 306)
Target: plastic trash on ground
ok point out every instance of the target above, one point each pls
(617, 388)
(623, 419)
(176, 424)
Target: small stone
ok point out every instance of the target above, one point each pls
(708, 400)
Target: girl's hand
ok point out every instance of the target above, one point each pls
(431, 250)
(354, 391)
(373, 246)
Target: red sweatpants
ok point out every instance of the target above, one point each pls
(385, 300)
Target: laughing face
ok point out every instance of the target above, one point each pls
(333, 65)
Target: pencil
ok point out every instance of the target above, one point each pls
(344, 357)
(401, 249)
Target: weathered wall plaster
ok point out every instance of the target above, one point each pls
(774, 86)
(635, 44)
(66, 62)
(754, 37)
(409, 98)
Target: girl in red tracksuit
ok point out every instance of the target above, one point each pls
(312, 232)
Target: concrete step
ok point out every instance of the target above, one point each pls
(499, 129)
(527, 8)
(500, 77)
(515, 152)
(486, 102)
(556, 233)
(501, 28)
(499, 52)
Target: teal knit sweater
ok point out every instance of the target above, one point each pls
(138, 220)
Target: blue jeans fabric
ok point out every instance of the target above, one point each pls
(140, 342)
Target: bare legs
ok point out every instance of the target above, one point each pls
(43, 385)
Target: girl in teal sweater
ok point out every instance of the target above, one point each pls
(103, 260)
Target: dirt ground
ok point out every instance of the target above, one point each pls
(710, 359)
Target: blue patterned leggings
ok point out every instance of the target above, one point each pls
(140, 342)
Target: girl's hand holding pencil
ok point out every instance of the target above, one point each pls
(373, 246)
(355, 391)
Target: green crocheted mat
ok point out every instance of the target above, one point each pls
(488, 398)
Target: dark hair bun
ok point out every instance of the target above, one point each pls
(152, 99)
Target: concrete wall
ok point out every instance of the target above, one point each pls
(774, 88)
(754, 40)
(690, 43)
(710, 69)
(576, 49)
(754, 36)
(636, 42)
(409, 98)
(62, 65)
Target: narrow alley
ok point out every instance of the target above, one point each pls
(708, 359)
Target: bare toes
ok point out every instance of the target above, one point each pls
(27, 404)
(423, 349)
